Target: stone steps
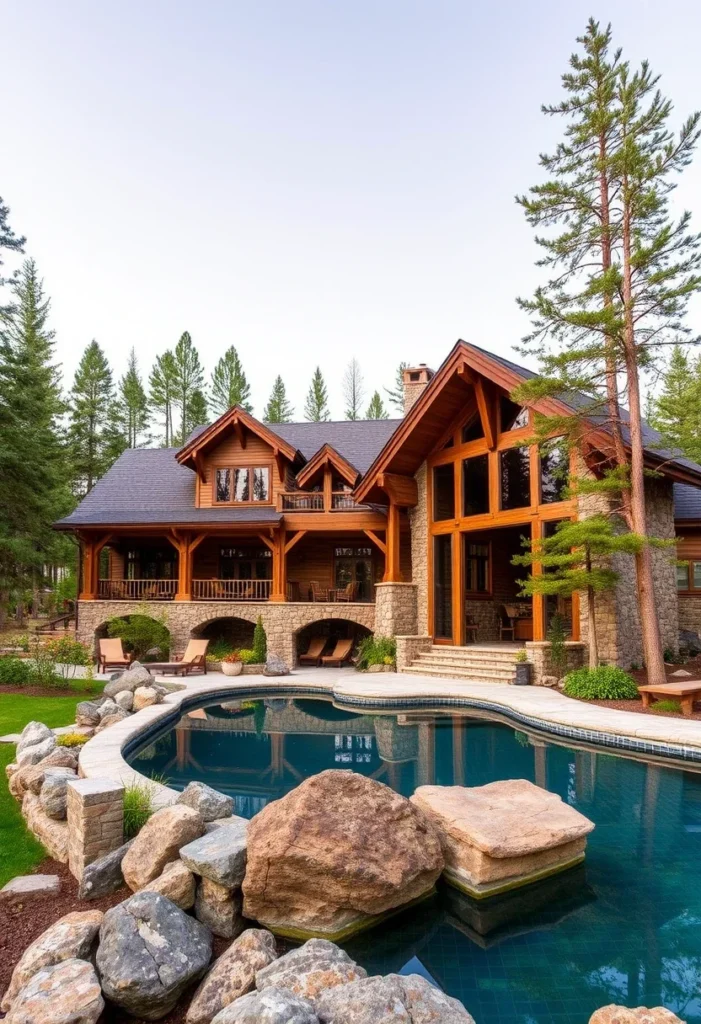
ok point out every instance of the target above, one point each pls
(457, 673)
(486, 664)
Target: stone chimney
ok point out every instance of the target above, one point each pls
(415, 379)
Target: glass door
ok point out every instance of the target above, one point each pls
(443, 587)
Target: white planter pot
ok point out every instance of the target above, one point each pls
(232, 668)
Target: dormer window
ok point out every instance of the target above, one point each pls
(233, 484)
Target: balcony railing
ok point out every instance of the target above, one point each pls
(313, 501)
(137, 590)
(231, 590)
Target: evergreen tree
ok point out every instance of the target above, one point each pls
(229, 384)
(8, 239)
(189, 378)
(131, 412)
(90, 405)
(278, 409)
(395, 394)
(353, 390)
(376, 410)
(33, 466)
(676, 412)
(316, 407)
(162, 383)
(197, 411)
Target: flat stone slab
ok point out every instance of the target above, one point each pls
(503, 835)
(219, 855)
(31, 887)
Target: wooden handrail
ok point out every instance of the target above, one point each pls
(137, 590)
(313, 501)
(231, 590)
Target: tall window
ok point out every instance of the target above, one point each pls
(353, 565)
(242, 483)
(515, 474)
(554, 471)
(476, 566)
(472, 431)
(443, 587)
(443, 492)
(513, 416)
(475, 485)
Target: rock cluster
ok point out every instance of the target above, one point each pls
(640, 1015)
(127, 692)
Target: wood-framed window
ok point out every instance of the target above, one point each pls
(689, 578)
(477, 567)
(242, 484)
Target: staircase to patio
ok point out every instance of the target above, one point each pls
(478, 663)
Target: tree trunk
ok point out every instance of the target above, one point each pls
(591, 621)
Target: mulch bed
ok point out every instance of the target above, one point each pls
(693, 666)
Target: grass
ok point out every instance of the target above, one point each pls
(19, 850)
(138, 808)
(666, 705)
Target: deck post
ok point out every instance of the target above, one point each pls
(279, 587)
(182, 546)
(89, 591)
(392, 558)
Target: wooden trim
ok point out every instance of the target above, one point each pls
(279, 589)
(328, 489)
(327, 455)
(250, 469)
(392, 558)
(240, 432)
(269, 543)
(294, 540)
(376, 541)
(239, 419)
(457, 600)
(401, 490)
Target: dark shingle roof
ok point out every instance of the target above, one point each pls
(687, 502)
(146, 485)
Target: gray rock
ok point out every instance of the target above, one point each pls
(318, 964)
(108, 707)
(219, 908)
(87, 712)
(149, 953)
(109, 720)
(124, 699)
(104, 876)
(133, 677)
(219, 855)
(689, 642)
(65, 993)
(36, 752)
(274, 1006)
(207, 801)
(27, 887)
(211, 826)
(275, 666)
(681, 673)
(233, 974)
(33, 733)
(54, 791)
(391, 1000)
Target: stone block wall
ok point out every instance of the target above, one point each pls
(418, 522)
(539, 656)
(395, 608)
(95, 813)
(409, 647)
(690, 613)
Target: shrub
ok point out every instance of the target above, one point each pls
(521, 657)
(249, 657)
(233, 658)
(376, 650)
(138, 807)
(260, 642)
(14, 672)
(69, 651)
(667, 705)
(141, 634)
(218, 650)
(71, 739)
(607, 682)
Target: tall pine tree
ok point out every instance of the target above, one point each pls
(229, 384)
(197, 410)
(353, 390)
(316, 406)
(395, 394)
(162, 384)
(376, 410)
(90, 404)
(8, 239)
(189, 378)
(676, 411)
(278, 409)
(131, 413)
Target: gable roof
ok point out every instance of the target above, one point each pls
(239, 420)
(324, 457)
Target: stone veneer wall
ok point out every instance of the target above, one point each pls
(281, 621)
(409, 648)
(395, 608)
(418, 521)
(617, 616)
(539, 657)
(690, 613)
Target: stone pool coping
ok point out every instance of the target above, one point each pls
(538, 708)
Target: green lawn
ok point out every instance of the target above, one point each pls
(19, 850)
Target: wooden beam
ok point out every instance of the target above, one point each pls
(392, 559)
(294, 539)
(376, 540)
(268, 543)
(486, 404)
(537, 570)
(401, 490)
(240, 432)
(280, 463)
(328, 489)
(200, 467)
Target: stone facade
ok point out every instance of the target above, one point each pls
(409, 648)
(539, 657)
(690, 613)
(185, 619)
(95, 815)
(395, 608)
(418, 522)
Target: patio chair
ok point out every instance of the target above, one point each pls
(318, 593)
(312, 655)
(340, 653)
(111, 654)
(349, 592)
(195, 656)
(507, 621)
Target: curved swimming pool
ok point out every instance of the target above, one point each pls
(625, 928)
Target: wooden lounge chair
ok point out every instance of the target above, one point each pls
(195, 657)
(340, 653)
(312, 655)
(112, 654)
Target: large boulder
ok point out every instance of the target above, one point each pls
(275, 666)
(33, 733)
(640, 1015)
(209, 802)
(150, 951)
(87, 713)
(54, 791)
(310, 969)
(52, 834)
(36, 752)
(66, 993)
(104, 876)
(395, 999)
(219, 855)
(145, 697)
(71, 937)
(32, 777)
(22, 888)
(335, 854)
(159, 842)
(124, 699)
(219, 908)
(177, 884)
(233, 974)
(118, 715)
(505, 833)
(136, 675)
(274, 1006)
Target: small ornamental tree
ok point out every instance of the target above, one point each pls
(260, 642)
(574, 559)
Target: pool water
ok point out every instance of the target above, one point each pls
(625, 928)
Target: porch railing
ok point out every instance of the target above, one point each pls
(231, 590)
(137, 590)
(313, 501)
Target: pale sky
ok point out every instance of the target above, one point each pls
(308, 180)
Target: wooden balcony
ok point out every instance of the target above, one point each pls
(231, 590)
(137, 590)
(313, 501)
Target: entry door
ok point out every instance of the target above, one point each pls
(443, 587)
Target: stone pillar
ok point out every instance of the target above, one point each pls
(540, 658)
(418, 523)
(395, 609)
(95, 812)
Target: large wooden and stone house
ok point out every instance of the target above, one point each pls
(403, 527)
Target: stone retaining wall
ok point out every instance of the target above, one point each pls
(395, 608)
(409, 648)
(539, 657)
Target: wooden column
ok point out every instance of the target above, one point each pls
(392, 560)
(91, 565)
(279, 588)
(457, 587)
(328, 489)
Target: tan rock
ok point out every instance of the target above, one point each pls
(144, 697)
(159, 842)
(69, 938)
(66, 993)
(233, 974)
(32, 778)
(336, 853)
(640, 1015)
(177, 883)
(504, 832)
(53, 835)
(219, 908)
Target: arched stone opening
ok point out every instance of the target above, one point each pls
(144, 636)
(330, 630)
(225, 631)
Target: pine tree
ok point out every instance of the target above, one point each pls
(197, 410)
(278, 409)
(8, 239)
(131, 412)
(676, 411)
(90, 403)
(316, 407)
(396, 394)
(189, 377)
(229, 384)
(376, 410)
(162, 383)
(353, 390)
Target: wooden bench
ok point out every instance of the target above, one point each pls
(686, 693)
